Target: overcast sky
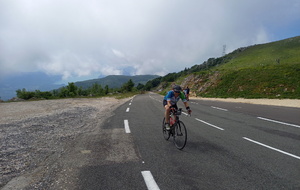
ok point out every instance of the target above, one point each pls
(76, 38)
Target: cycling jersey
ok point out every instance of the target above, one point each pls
(171, 97)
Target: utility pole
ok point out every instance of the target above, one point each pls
(224, 50)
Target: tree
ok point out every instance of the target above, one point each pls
(23, 94)
(72, 89)
(127, 87)
(152, 83)
(63, 93)
(106, 89)
(140, 86)
(97, 90)
(39, 94)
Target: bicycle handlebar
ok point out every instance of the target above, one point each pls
(178, 112)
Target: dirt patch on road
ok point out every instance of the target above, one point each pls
(37, 137)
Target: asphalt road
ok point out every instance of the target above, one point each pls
(230, 146)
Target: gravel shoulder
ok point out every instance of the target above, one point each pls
(42, 140)
(271, 102)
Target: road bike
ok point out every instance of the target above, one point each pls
(177, 129)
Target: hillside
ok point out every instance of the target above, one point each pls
(269, 70)
(116, 81)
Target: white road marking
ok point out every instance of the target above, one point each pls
(278, 150)
(149, 180)
(86, 151)
(219, 108)
(184, 113)
(278, 122)
(159, 100)
(209, 124)
(126, 125)
(127, 110)
(130, 103)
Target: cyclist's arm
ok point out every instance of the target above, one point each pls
(169, 103)
(187, 107)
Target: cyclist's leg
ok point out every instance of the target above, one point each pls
(167, 111)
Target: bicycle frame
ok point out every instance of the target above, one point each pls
(174, 116)
(177, 131)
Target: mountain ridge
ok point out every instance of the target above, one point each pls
(116, 81)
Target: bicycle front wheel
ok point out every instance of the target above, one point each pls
(180, 135)
(166, 133)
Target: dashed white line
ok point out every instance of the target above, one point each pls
(126, 125)
(219, 108)
(278, 150)
(209, 124)
(278, 122)
(127, 110)
(185, 113)
(155, 99)
(149, 180)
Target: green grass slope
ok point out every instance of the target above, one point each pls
(269, 70)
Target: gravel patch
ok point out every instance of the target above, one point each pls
(34, 136)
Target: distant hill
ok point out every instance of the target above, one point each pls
(30, 81)
(116, 81)
(270, 70)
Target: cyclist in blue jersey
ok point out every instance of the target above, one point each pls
(170, 101)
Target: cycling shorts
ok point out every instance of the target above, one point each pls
(173, 106)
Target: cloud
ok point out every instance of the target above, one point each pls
(118, 53)
(80, 38)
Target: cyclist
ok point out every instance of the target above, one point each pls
(187, 93)
(170, 101)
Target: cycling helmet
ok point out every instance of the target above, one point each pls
(177, 88)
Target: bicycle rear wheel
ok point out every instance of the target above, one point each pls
(180, 135)
(166, 133)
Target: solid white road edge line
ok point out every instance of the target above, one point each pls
(219, 108)
(278, 122)
(149, 180)
(278, 150)
(126, 125)
(209, 124)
